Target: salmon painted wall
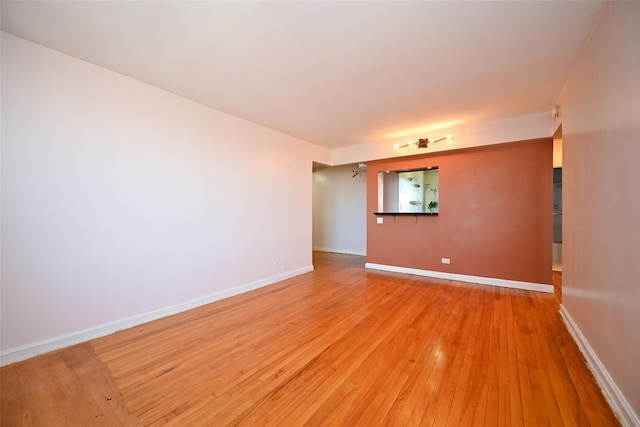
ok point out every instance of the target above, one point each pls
(495, 214)
(600, 117)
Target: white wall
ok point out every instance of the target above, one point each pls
(339, 210)
(466, 135)
(600, 115)
(122, 202)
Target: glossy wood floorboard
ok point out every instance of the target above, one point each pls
(341, 346)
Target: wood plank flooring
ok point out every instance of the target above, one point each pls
(341, 346)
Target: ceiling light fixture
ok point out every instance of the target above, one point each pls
(421, 143)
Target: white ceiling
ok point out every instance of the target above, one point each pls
(332, 73)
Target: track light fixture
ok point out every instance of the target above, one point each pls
(421, 143)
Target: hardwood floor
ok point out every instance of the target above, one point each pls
(341, 346)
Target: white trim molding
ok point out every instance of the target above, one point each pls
(611, 392)
(514, 284)
(28, 351)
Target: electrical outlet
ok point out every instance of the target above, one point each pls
(380, 220)
(446, 260)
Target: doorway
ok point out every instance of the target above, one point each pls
(556, 273)
(557, 219)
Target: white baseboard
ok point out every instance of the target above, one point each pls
(464, 278)
(24, 352)
(339, 251)
(611, 392)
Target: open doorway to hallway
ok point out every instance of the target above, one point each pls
(340, 209)
(557, 219)
(557, 213)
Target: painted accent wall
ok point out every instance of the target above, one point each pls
(600, 117)
(340, 210)
(120, 199)
(495, 214)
